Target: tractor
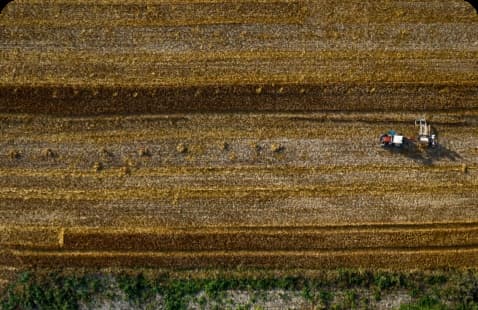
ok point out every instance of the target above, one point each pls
(392, 139)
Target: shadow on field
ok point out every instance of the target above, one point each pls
(423, 154)
(427, 155)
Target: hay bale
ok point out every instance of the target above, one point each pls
(225, 146)
(15, 154)
(97, 166)
(126, 170)
(144, 152)
(49, 153)
(277, 147)
(232, 156)
(181, 148)
(105, 153)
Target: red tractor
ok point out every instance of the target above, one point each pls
(392, 139)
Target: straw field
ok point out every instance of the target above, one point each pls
(206, 134)
(317, 201)
(147, 57)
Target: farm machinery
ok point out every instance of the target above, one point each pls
(391, 138)
(425, 136)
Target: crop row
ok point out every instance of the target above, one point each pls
(216, 131)
(34, 236)
(7, 258)
(240, 171)
(203, 41)
(236, 192)
(356, 11)
(390, 259)
(20, 123)
(325, 238)
(181, 13)
(249, 211)
(295, 239)
(99, 70)
(71, 101)
(113, 176)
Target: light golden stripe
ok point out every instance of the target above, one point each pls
(275, 170)
(236, 192)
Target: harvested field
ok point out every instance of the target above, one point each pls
(325, 201)
(199, 134)
(137, 57)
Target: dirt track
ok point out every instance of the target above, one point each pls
(206, 138)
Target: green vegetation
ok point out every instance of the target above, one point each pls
(137, 288)
(341, 289)
(51, 291)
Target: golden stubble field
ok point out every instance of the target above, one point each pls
(217, 134)
(215, 190)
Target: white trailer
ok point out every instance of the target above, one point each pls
(425, 135)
